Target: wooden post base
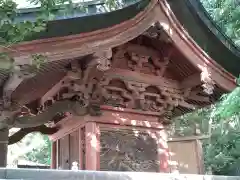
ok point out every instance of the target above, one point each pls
(3, 147)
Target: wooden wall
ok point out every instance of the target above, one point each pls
(80, 140)
(187, 155)
(68, 150)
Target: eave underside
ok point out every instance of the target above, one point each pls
(150, 69)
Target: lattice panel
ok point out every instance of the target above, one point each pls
(126, 150)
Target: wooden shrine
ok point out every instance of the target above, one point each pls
(106, 96)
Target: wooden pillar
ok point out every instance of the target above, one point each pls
(3, 147)
(54, 155)
(163, 153)
(81, 147)
(92, 135)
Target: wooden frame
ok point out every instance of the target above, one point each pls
(198, 148)
(158, 134)
(54, 155)
(112, 118)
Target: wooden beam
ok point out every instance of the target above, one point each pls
(191, 81)
(81, 137)
(73, 46)
(188, 138)
(143, 50)
(163, 155)
(3, 147)
(19, 135)
(28, 121)
(195, 97)
(54, 155)
(14, 80)
(92, 146)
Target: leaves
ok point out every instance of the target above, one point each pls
(226, 14)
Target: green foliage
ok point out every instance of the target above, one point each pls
(34, 147)
(42, 154)
(12, 32)
(226, 14)
(222, 152)
(222, 149)
(229, 106)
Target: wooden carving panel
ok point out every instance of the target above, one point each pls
(125, 150)
(136, 80)
(119, 92)
(140, 59)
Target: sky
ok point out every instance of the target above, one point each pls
(25, 3)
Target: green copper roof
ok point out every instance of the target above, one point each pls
(88, 23)
(195, 19)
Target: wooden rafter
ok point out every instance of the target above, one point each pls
(196, 97)
(191, 81)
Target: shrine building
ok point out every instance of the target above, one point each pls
(113, 81)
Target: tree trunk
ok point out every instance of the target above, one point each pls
(3, 147)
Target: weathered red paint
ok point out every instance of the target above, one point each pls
(92, 134)
(54, 155)
(163, 152)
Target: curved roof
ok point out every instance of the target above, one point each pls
(84, 22)
(200, 26)
(123, 26)
(69, 44)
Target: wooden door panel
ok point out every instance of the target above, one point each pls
(74, 147)
(64, 154)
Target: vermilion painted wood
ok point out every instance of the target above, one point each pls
(191, 50)
(3, 147)
(92, 134)
(111, 115)
(87, 43)
(54, 155)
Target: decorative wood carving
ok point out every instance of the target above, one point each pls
(140, 59)
(142, 96)
(16, 77)
(157, 32)
(131, 76)
(103, 59)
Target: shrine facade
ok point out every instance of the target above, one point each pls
(105, 97)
